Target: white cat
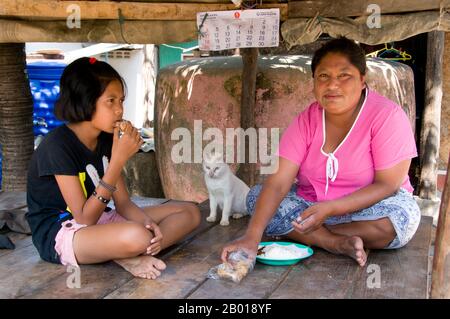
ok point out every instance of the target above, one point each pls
(225, 190)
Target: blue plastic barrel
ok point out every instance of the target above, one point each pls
(44, 79)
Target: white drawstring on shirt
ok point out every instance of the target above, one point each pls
(332, 169)
(332, 166)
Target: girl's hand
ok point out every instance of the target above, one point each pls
(155, 243)
(245, 243)
(128, 144)
(313, 217)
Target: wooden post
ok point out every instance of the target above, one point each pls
(149, 71)
(16, 117)
(247, 170)
(429, 139)
(440, 284)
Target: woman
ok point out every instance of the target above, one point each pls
(350, 152)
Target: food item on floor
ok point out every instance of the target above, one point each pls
(235, 272)
(282, 252)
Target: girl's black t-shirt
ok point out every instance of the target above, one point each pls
(60, 153)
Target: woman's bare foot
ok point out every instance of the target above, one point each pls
(146, 267)
(353, 247)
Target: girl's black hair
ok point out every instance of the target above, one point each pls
(82, 83)
(344, 46)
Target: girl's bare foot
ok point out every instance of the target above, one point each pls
(146, 267)
(353, 247)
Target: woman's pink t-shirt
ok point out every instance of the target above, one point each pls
(380, 138)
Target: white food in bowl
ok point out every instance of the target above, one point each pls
(275, 251)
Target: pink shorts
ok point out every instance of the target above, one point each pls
(64, 238)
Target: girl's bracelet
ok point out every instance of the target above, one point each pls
(111, 188)
(100, 198)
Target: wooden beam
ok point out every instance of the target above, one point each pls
(440, 284)
(247, 170)
(98, 31)
(429, 139)
(93, 10)
(353, 8)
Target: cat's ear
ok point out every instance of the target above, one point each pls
(206, 157)
(217, 157)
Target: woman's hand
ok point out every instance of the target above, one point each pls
(155, 243)
(128, 144)
(246, 243)
(313, 217)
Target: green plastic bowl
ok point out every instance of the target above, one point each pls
(282, 262)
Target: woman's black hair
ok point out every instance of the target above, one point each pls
(344, 46)
(82, 83)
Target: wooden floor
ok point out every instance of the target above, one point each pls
(403, 272)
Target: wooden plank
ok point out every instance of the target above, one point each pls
(12, 200)
(187, 267)
(323, 275)
(98, 31)
(403, 272)
(97, 281)
(401, 276)
(49, 280)
(23, 272)
(440, 286)
(90, 10)
(258, 284)
(203, 227)
(430, 134)
(352, 8)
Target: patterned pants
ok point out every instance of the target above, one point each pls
(401, 209)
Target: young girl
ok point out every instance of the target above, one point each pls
(75, 172)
